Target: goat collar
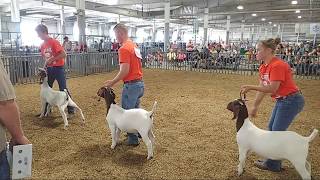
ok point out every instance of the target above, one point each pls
(242, 116)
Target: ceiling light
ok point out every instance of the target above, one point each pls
(270, 22)
(299, 17)
(240, 7)
(297, 11)
(294, 2)
(274, 25)
(263, 19)
(254, 14)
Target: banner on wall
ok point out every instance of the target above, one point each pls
(315, 28)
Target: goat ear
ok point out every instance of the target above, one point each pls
(236, 111)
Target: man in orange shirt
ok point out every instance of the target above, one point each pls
(53, 54)
(130, 73)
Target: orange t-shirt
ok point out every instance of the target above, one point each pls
(278, 70)
(52, 48)
(129, 53)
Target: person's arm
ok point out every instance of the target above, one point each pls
(124, 70)
(10, 118)
(125, 60)
(271, 88)
(62, 54)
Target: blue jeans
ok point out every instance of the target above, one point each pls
(131, 94)
(57, 73)
(4, 166)
(282, 116)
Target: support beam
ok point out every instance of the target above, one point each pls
(154, 31)
(166, 24)
(242, 30)
(1, 31)
(205, 26)
(15, 11)
(62, 21)
(228, 29)
(103, 8)
(80, 5)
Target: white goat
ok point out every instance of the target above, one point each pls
(275, 145)
(131, 121)
(61, 99)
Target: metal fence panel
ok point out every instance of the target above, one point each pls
(24, 69)
(303, 67)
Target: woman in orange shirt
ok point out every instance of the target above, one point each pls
(275, 79)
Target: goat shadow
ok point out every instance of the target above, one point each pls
(52, 121)
(233, 174)
(122, 155)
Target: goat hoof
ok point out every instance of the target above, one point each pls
(113, 146)
(149, 157)
(240, 173)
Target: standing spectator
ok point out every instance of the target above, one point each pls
(67, 45)
(174, 45)
(190, 46)
(250, 54)
(9, 119)
(301, 50)
(100, 48)
(54, 55)
(95, 45)
(76, 47)
(83, 47)
(130, 73)
(28, 50)
(115, 45)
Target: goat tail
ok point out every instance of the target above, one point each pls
(153, 109)
(67, 93)
(313, 135)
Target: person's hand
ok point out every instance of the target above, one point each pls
(49, 60)
(245, 89)
(253, 112)
(109, 83)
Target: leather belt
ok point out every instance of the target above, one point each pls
(133, 81)
(291, 94)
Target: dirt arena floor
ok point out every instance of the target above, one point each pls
(195, 136)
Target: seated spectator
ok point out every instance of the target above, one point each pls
(181, 56)
(150, 58)
(171, 56)
(159, 56)
(315, 52)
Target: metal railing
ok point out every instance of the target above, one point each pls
(303, 67)
(24, 69)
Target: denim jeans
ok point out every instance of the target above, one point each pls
(57, 73)
(4, 166)
(282, 116)
(131, 94)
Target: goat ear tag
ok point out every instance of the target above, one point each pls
(22, 161)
